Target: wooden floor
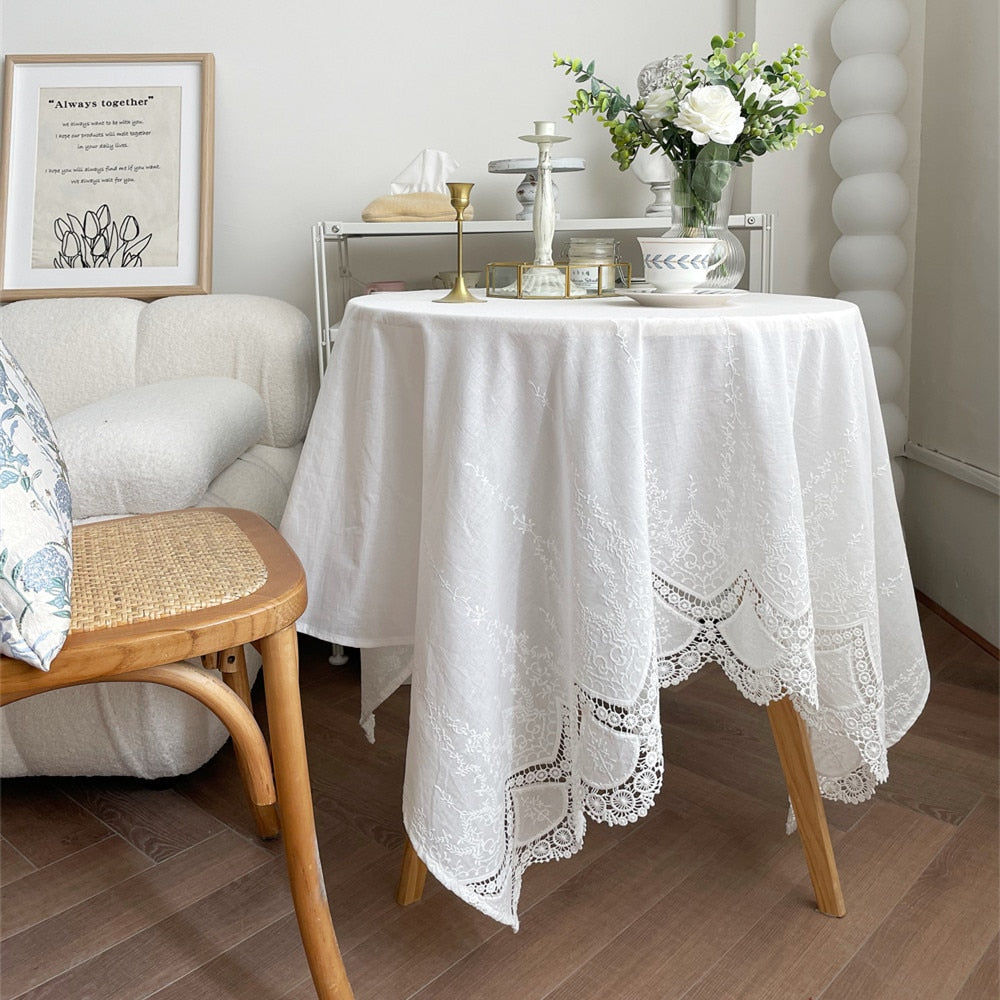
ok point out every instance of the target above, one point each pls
(119, 890)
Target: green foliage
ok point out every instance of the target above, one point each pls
(773, 97)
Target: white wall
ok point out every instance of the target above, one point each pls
(952, 527)
(320, 104)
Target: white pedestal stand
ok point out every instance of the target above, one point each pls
(651, 167)
(528, 184)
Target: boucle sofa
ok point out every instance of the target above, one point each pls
(185, 401)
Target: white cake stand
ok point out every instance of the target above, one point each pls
(526, 188)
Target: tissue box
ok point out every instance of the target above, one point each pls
(417, 206)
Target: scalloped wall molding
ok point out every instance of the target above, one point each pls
(872, 201)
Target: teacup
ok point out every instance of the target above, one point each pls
(385, 286)
(446, 279)
(677, 263)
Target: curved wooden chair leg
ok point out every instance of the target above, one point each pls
(251, 751)
(291, 773)
(412, 875)
(792, 741)
(232, 665)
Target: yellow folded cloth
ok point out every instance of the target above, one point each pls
(417, 206)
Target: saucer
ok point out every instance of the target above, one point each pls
(708, 298)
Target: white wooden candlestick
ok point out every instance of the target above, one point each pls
(539, 280)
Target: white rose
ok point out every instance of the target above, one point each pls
(655, 108)
(711, 113)
(757, 87)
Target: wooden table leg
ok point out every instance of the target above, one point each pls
(792, 741)
(411, 877)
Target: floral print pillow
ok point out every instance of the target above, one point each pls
(36, 525)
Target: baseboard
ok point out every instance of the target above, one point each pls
(969, 633)
(954, 467)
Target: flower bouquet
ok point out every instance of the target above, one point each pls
(705, 119)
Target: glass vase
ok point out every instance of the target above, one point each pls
(701, 203)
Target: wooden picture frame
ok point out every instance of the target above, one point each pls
(106, 173)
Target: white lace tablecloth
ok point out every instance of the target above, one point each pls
(544, 511)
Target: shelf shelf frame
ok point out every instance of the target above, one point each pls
(333, 238)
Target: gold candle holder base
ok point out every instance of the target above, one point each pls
(460, 202)
(459, 293)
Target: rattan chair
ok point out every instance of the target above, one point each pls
(152, 590)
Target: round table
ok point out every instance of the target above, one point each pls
(540, 512)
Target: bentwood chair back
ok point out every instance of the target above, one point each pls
(152, 590)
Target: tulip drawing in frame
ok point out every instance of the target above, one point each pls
(99, 242)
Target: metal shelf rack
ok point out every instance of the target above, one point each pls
(335, 237)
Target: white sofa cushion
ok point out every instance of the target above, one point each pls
(260, 479)
(259, 340)
(157, 447)
(36, 560)
(75, 351)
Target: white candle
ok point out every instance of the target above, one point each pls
(545, 128)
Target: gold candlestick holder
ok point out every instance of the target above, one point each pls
(460, 202)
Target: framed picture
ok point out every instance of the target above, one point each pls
(106, 172)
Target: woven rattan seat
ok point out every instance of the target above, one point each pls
(145, 568)
(154, 590)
